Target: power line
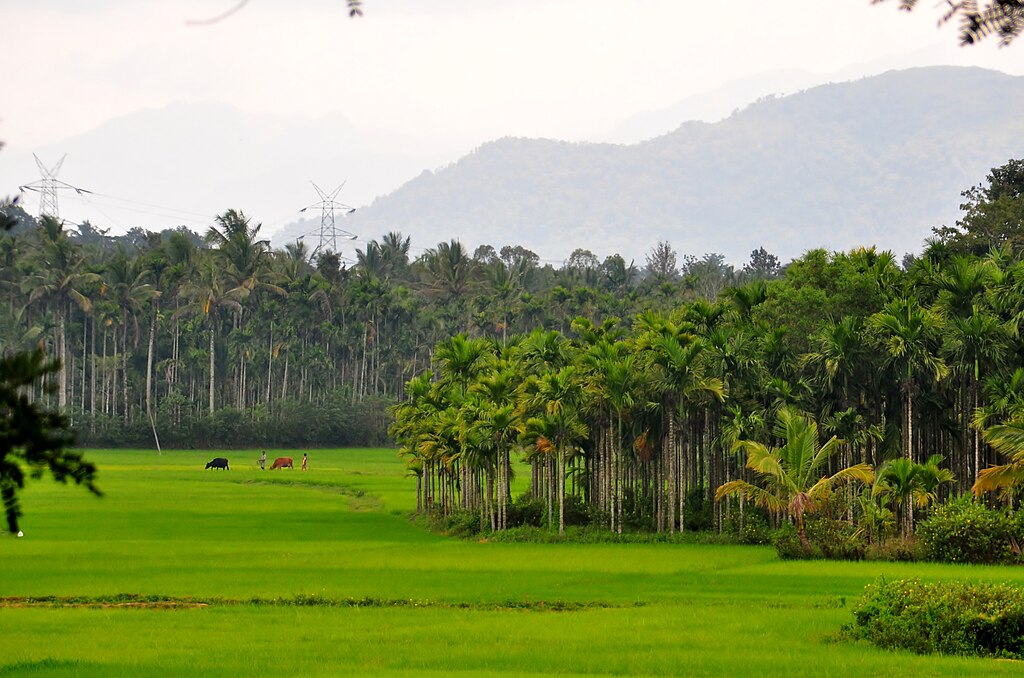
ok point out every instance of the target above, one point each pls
(47, 187)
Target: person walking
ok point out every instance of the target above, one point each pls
(263, 460)
(303, 461)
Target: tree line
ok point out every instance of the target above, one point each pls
(910, 369)
(216, 339)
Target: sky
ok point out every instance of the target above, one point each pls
(443, 76)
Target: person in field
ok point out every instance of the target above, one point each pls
(263, 460)
(303, 461)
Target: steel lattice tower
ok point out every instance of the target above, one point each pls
(47, 188)
(328, 228)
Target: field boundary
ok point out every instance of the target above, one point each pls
(132, 600)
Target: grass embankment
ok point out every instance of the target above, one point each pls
(181, 571)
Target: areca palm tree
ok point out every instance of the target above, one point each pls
(977, 344)
(792, 477)
(680, 379)
(910, 335)
(900, 479)
(930, 480)
(837, 355)
(558, 429)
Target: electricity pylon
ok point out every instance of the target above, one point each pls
(48, 186)
(329, 231)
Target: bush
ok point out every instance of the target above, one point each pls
(829, 538)
(462, 524)
(525, 510)
(951, 618)
(755, 529)
(963, 531)
(698, 510)
(896, 550)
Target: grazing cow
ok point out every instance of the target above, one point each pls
(219, 462)
(281, 462)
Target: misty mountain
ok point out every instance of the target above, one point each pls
(185, 162)
(878, 161)
(713, 105)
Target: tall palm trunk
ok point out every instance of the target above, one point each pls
(124, 364)
(670, 457)
(149, 364)
(92, 377)
(561, 491)
(62, 392)
(211, 366)
(270, 362)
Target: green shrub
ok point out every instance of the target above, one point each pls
(829, 538)
(949, 618)
(462, 524)
(525, 510)
(698, 510)
(896, 550)
(755, 528)
(963, 531)
(788, 547)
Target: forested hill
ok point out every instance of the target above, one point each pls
(876, 161)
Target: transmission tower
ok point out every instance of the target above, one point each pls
(48, 186)
(329, 231)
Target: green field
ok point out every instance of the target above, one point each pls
(347, 585)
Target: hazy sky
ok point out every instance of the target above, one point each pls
(443, 70)
(446, 74)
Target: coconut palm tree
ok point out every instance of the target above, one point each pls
(127, 287)
(792, 478)
(206, 295)
(59, 279)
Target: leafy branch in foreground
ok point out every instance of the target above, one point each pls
(33, 435)
(1004, 18)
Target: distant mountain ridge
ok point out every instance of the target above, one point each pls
(877, 161)
(187, 161)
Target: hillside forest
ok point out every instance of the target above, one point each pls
(634, 391)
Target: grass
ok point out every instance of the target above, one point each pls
(345, 584)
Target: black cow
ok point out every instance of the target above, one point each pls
(219, 462)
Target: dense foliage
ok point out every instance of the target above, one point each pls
(633, 393)
(950, 618)
(219, 340)
(33, 437)
(962, 531)
(901, 367)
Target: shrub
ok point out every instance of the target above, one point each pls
(963, 531)
(525, 510)
(755, 528)
(829, 538)
(788, 547)
(698, 514)
(462, 524)
(949, 618)
(896, 550)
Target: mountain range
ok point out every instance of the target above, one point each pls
(877, 161)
